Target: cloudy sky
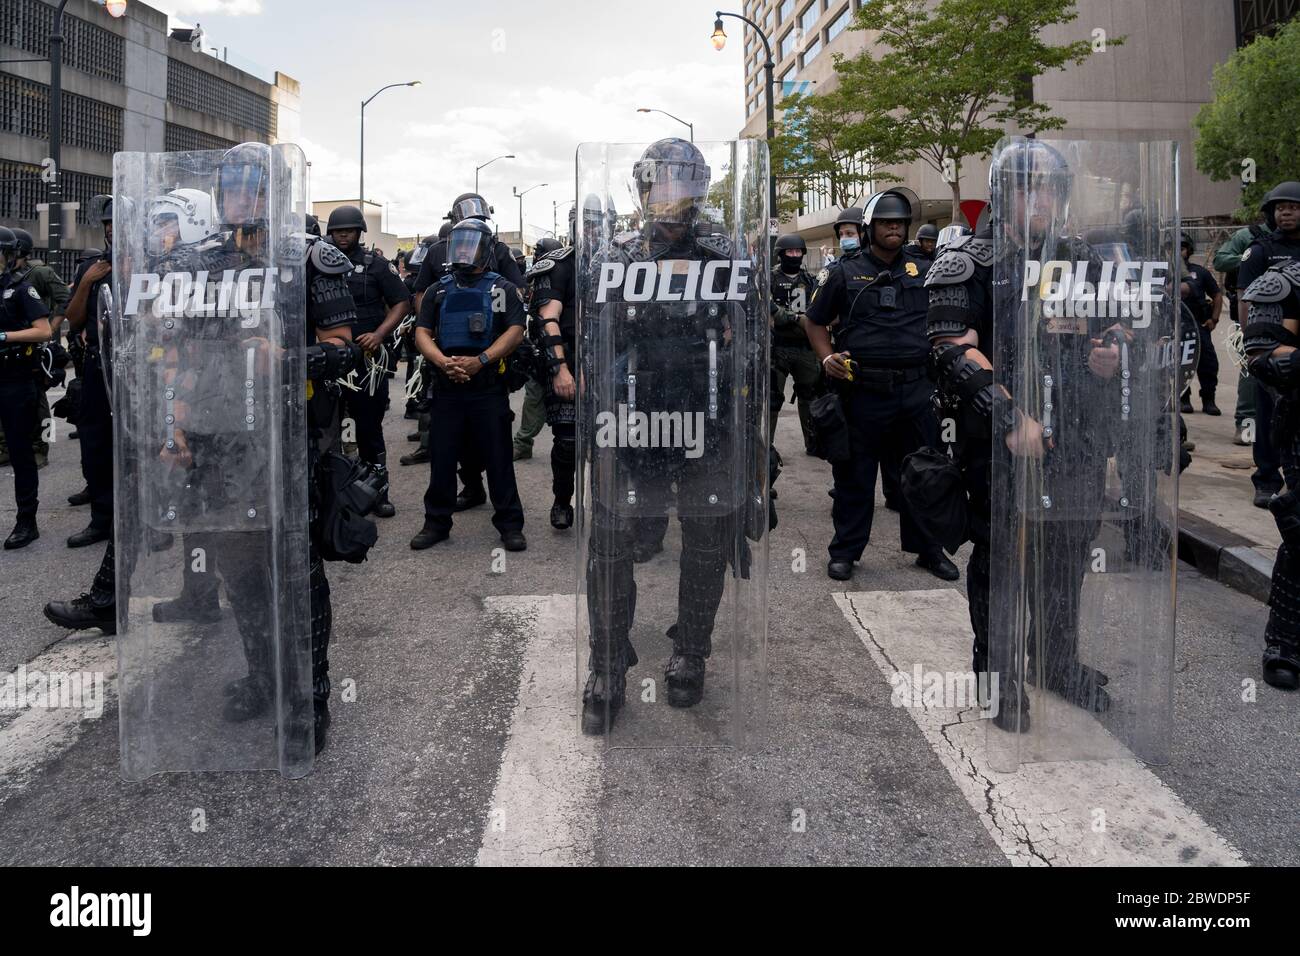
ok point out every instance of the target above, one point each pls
(499, 76)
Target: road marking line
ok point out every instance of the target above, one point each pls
(38, 736)
(1045, 813)
(543, 809)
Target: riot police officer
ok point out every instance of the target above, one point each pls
(1270, 304)
(95, 418)
(534, 410)
(1202, 294)
(925, 243)
(24, 327)
(382, 301)
(469, 323)
(501, 261)
(877, 367)
(961, 321)
(792, 357)
(553, 285)
(54, 294)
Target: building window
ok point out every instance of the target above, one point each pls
(839, 23)
(785, 12)
(193, 89)
(87, 124)
(812, 49)
(787, 44)
(809, 17)
(182, 139)
(1262, 17)
(87, 47)
(21, 189)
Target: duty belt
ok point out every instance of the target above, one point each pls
(886, 378)
(17, 354)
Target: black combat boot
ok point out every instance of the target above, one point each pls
(684, 673)
(83, 613)
(605, 693)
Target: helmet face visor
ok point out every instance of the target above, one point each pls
(468, 248)
(417, 256)
(164, 232)
(670, 190)
(241, 191)
(472, 208)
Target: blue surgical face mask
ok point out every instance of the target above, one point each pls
(849, 245)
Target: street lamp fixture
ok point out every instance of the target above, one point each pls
(688, 125)
(719, 37)
(364, 103)
(486, 165)
(520, 196)
(719, 41)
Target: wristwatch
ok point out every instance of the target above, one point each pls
(3, 336)
(483, 359)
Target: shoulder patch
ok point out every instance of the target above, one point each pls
(1246, 255)
(823, 276)
(33, 293)
(720, 246)
(954, 266)
(329, 259)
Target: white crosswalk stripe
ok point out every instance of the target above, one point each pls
(1068, 813)
(543, 807)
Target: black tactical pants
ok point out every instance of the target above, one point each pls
(367, 412)
(883, 428)
(95, 431)
(611, 586)
(1282, 632)
(482, 417)
(18, 410)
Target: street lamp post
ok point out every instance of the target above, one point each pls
(364, 103)
(555, 215)
(719, 39)
(520, 196)
(486, 165)
(54, 195)
(690, 126)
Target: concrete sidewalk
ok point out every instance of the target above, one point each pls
(1220, 530)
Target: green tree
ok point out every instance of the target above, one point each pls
(826, 141)
(955, 77)
(1250, 131)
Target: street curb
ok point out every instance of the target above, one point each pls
(1223, 555)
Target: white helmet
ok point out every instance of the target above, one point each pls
(182, 216)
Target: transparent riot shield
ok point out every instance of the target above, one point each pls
(672, 499)
(214, 645)
(1087, 346)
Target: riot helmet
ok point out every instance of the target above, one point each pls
(950, 233)
(181, 217)
(469, 246)
(8, 246)
(345, 219)
(929, 231)
(1034, 183)
(25, 243)
(313, 226)
(444, 230)
(546, 244)
(101, 209)
(418, 255)
(1188, 243)
(849, 216)
(790, 252)
(672, 181)
(1282, 192)
(469, 206)
(892, 205)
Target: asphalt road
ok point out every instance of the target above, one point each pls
(461, 745)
